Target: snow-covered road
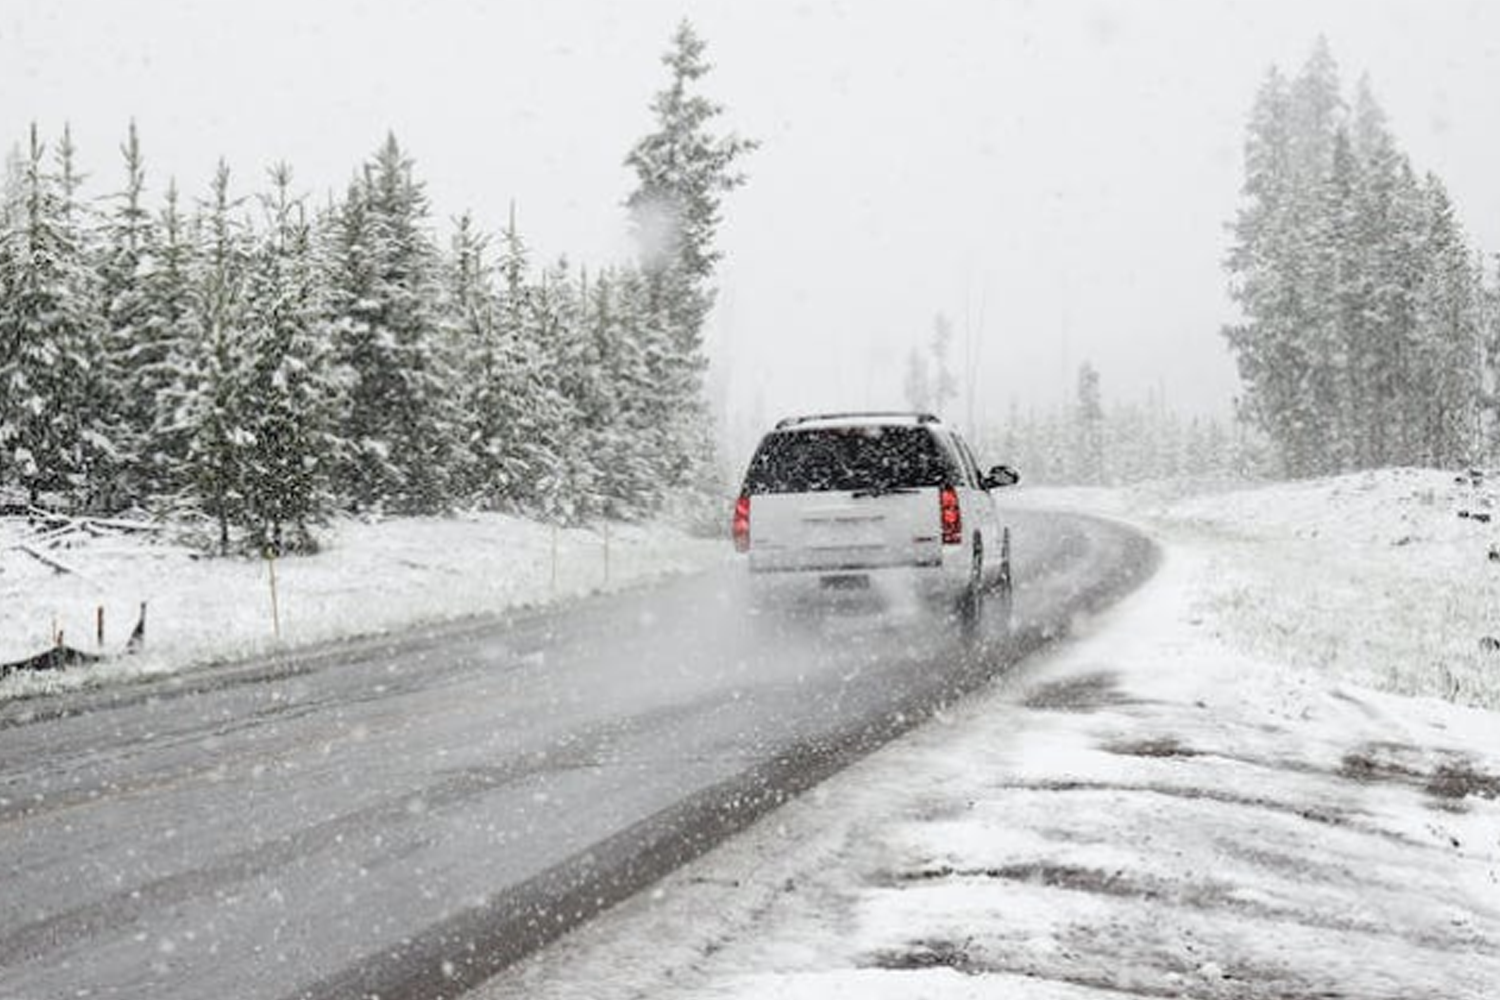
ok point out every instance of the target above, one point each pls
(403, 816)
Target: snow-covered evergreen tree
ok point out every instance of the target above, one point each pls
(552, 329)
(617, 398)
(49, 331)
(384, 295)
(527, 403)
(1360, 344)
(216, 409)
(683, 169)
(944, 385)
(1448, 342)
(289, 464)
(93, 399)
(1090, 427)
(161, 386)
(255, 376)
(472, 308)
(133, 350)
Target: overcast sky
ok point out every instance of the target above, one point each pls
(1055, 176)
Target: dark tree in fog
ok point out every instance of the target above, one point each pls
(1090, 426)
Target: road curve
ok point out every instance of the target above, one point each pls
(404, 816)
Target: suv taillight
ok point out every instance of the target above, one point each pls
(950, 516)
(742, 524)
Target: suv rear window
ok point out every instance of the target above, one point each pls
(847, 458)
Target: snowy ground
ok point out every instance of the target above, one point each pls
(1203, 796)
(1388, 579)
(369, 578)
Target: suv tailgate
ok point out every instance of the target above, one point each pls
(845, 530)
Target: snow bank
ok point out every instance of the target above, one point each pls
(1389, 579)
(370, 577)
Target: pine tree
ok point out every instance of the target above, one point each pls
(641, 476)
(616, 397)
(682, 172)
(1089, 418)
(1265, 344)
(92, 402)
(1448, 344)
(384, 296)
(289, 463)
(683, 169)
(525, 461)
(160, 379)
(48, 328)
(472, 312)
(134, 351)
(1361, 340)
(560, 494)
(944, 385)
(917, 386)
(217, 407)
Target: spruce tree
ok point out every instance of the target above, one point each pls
(944, 385)
(683, 169)
(525, 462)
(217, 408)
(1448, 341)
(161, 380)
(1361, 341)
(289, 463)
(385, 294)
(472, 312)
(134, 350)
(1090, 427)
(560, 494)
(48, 332)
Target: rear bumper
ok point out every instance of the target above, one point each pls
(878, 558)
(815, 578)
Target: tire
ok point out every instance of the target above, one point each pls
(1004, 590)
(971, 602)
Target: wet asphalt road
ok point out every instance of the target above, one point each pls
(404, 816)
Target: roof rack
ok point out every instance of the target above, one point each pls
(921, 418)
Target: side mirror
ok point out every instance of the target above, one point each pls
(1001, 475)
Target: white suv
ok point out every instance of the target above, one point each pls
(847, 501)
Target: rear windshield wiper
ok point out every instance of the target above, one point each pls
(881, 491)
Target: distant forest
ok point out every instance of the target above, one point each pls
(1097, 441)
(260, 365)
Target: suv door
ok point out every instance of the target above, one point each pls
(976, 502)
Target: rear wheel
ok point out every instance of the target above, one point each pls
(1004, 591)
(971, 602)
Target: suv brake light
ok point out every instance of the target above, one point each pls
(949, 516)
(742, 523)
